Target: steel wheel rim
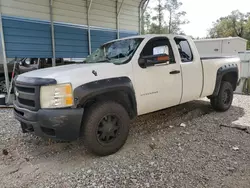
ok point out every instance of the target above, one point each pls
(108, 129)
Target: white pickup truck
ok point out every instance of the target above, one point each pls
(122, 79)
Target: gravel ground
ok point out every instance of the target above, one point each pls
(185, 146)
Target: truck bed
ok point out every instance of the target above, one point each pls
(210, 67)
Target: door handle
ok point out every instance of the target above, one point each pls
(175, 72)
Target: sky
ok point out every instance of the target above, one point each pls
(202, 13)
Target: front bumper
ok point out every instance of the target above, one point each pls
(59, 124)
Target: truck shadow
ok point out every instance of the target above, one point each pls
(170, 118)
(174, 116)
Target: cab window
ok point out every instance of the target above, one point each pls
(184, 50)
(159, 46)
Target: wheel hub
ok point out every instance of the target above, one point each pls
(108, 129)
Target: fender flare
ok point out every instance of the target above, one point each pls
(221, 72)
(90, 90)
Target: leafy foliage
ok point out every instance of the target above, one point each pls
(167, 17)
(233, 25)
(175, 16)
(159, 18)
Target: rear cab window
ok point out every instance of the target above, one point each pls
(184, 50)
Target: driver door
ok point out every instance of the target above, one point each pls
(159, 85)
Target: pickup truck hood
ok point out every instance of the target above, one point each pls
(78, 74)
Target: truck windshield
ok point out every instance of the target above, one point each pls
(117, 52)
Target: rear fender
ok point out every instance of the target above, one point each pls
(222, 71)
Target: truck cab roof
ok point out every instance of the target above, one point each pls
(149, 36)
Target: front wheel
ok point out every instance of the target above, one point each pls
(223, 101)
(105, 128)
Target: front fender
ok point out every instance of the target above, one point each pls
(89, 90)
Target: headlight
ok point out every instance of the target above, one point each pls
(56, 96)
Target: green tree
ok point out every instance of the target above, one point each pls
(247, 32)
(146, 22)
(233, 25)
(158, 25)
(167, 17)
(240, 23)
(175, 16)
(223, 27)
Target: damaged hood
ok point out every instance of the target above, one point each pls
(78, 74)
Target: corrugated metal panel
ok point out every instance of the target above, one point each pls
(71, 42)
(70, 11)
(32, 37)
(99, 37)
(124, 34)
(129, 18)
(103, 13)
(36, 2)
(26, 8)
(25, 38)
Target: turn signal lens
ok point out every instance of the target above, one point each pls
(163, 58)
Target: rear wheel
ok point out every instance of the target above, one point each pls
(105, 128)
(223, 101)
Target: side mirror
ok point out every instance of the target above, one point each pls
(148, 61)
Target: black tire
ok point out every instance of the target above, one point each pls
(3, 88)
(103, 119)
(224, 100)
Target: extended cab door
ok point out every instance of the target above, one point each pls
(191, 67)
(160, 85)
